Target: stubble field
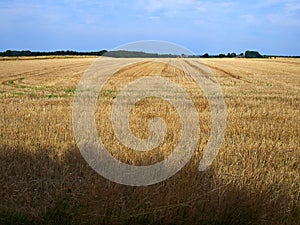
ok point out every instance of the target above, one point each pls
(255, 178)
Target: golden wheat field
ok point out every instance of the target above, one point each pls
(255, 179)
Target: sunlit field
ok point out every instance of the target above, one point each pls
(255, 178)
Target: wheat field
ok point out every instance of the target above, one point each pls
(255, 178)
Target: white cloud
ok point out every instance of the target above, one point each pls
(283, 20)
(249, 18)
(288, 16)
(292, 7)
(152, 6)
(191, 9)
(30, 12)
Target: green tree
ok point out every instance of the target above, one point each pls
(253, 54)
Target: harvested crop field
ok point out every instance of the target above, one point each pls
(255, 179)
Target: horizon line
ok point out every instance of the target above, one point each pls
(97, 51)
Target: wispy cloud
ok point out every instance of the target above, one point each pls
(288, 14)
(292, 7)
(21, 15)
(249, 18)
(177, 7)
(164, 7)
(283, 20)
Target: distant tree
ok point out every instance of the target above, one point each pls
(135, 54)
(222, 55)
(253, 54)
(15, 53)
(193, 56)
(231, 55)
(206, 55)
(9, 53)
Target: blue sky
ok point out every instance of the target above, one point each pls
(213, 26)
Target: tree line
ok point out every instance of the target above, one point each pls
(15, 53)
(137, 54)
(133, 54)
(247, 54)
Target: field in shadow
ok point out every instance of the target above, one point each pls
(44, 187)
